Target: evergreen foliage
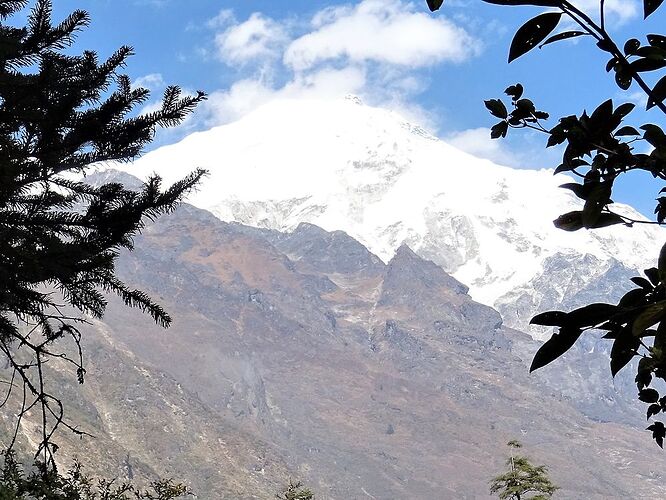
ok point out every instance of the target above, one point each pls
(295, 491)
(46, 483)
(522, 480)
(59, 237)
(600, 147)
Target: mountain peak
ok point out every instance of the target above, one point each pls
(367, 171)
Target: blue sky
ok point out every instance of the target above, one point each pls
(435, 68)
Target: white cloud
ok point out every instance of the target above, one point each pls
(257, 38)
(618, 11)
(522, 149)
(153, 81)
(247, 95)
(374, 49)
(477, 142)
(385, 31)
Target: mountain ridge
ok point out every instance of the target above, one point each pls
(366, 171)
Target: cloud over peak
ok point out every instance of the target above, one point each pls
(390, 32)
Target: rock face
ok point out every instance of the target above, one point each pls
(304, 355)
(368, 172)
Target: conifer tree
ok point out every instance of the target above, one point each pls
(295, 491)
(59, 237)
(523, 480)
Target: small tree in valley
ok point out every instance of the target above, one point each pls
(522, 480)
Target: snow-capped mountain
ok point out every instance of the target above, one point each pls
(346, 166)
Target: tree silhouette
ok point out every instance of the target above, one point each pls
(599, 149)
(59, 236)
(522, 480)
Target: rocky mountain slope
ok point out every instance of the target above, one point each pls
(345, 166)
(305, 355)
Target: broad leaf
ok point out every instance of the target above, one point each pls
(514, 91)
(651, 315)
(623, 351)
(590, 315)
(557, 345)
(658, 93)
(658, 433)
(571, 221)
(607, 219)
(622, 77)
(631, 46)
(549, 318)
(565, 35)
(643, 283)
(648, 396)
(649, 6)
(499, 130)
(627, 131)
(653, 410)
(496, 108)
(657, 41)
(533, 32)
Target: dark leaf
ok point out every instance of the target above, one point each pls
(633, 297)
(622, 77)
(649, 6)
(652, 410)
(533, 32)
(590, 315)
(645, 64)
(643, 283)
(627, 131)
(623, 110)
(644, 373)
(651, 52)
(653, 134)
(631, 46)
(657, 41)
(514, 91)
(605, 45)
(651, 315)
(597, 199)
(549, 318)
(653, 275)
(602, 114)
(623, 350)
(577, 189)
(648, 395)
(611, 64)
(571, 221)
(557, 345)
(658, 93)
(496, 108)
(658, 433)
(434, 5)
(499, 130)
(607, 219)
(565, 35)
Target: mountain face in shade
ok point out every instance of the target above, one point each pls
(386, 182)
(304, 355)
